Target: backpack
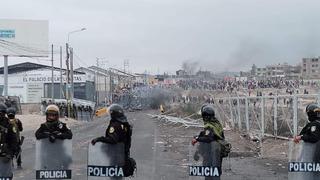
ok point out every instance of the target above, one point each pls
(225, 148)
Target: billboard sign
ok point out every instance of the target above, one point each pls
(22, 38)
(9, 33)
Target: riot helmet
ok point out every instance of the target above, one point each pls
(313, 111)
(207, 113)
(117, 113)
(52, 113)
(11, 112)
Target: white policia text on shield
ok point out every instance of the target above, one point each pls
(53, 160)
(105, 161)
(304, 161)
(205, 161)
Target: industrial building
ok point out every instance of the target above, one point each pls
(31, 82)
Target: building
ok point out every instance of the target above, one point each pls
(31, 82)
(107, 81)
(181, 73)
(311, 68)
(276, 71)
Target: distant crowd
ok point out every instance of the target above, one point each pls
(250, 84)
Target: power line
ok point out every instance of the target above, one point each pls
(18, 47)
(80, 60)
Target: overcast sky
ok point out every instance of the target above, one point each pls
(158, 35)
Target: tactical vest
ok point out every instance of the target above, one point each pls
(14, 124)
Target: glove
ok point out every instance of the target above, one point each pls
(297, 139)
(57, 134)
(194, 141)
(52, 138)
(94, 141)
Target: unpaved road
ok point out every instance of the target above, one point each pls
(161, 152)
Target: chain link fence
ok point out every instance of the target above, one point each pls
(278, 116)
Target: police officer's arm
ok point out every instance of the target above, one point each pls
(12, 140)
(65, 133)
(19, 123)
(112, 135)
(42, 132)
(205, 136)
(312, 135)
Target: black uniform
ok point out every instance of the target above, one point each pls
(311, 132)
(118, 132)
(208, 135)
(8, 138)
(53, 130)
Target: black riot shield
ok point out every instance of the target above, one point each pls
(5, 168)
(53, 160)
(304, 162)
(205, 161)
(106, 161)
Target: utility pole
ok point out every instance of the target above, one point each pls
(60, 95)
(71, 74)
(111, 88)
(125, 65)
(68, 77)
(5, 72)
(102, 64)
(97, 83)
(52, 80)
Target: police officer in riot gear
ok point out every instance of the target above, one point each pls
(311, 132)
(53, 128)
(8, 140)
(119, 131)
(213, 129)
(17, 124)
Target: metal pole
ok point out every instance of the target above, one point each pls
(68, 77)
(275, 116)
(247, 115)
(60, 72)
(262, 117)
(71, 74)
(52, 69)
(231, 112)
(239, 117)
(110, 90)
(105, 86)
(295, 115)
(98, 86)
(5, 72)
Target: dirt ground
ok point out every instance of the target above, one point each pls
(269, 157)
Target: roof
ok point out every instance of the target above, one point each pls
(29, 66)
(113, 71)
(84, 69)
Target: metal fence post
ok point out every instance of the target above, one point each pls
(239, 117)
(247, 115)
(295, 115)
(231, 112)
(262, 116)
(275, 116)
